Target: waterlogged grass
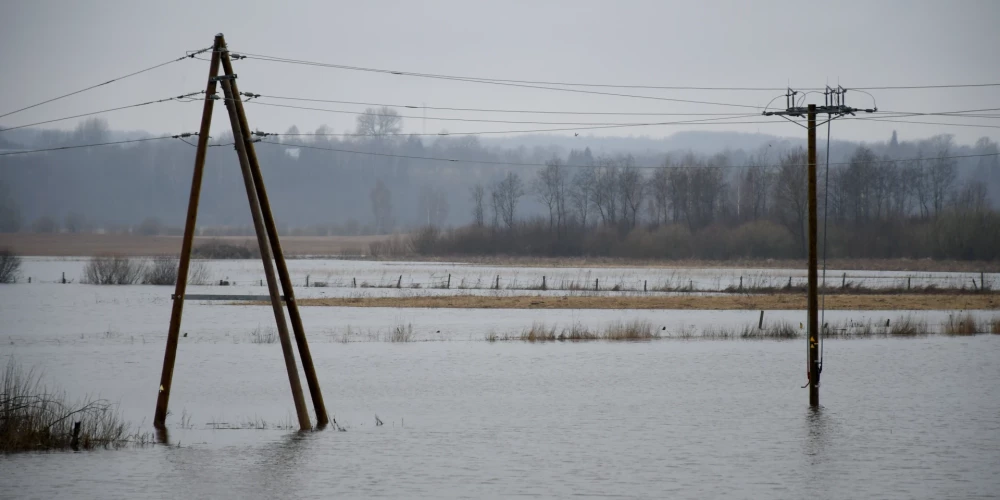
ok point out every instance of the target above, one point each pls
(635, 330)
(962, 324)
(34, 419)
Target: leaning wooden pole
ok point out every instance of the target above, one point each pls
(173, 331)
(813, 302)
(272, 232)
(266, 258)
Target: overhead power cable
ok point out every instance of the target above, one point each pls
(960, 113)
(596, 85)
(176, 98)
(488, 81)
(112, 143)
(479, 120)
(488, 110)
(134, 73)
(522, 164)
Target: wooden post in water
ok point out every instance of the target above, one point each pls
(173, 331)
(399, 284)
(498, 282)
(283, 275)
(760, 324)
(354, 282)
(644, 286)
(543, 284)
(843, 281)
(597, 282)
(448, 286)
(64, 277)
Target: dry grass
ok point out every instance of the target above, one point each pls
(263, 335)
(962, 324)
(620, 331)
(724, 302)
(995, 326)
(32, 418)
(903, 326)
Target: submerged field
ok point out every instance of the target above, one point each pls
(906, 412)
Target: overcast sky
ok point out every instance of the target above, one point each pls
(48, 48)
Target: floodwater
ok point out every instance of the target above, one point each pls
(464, 418)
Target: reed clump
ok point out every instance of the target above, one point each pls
(995, 326)
(34, 419)
(618, 331)
(263, 335)
(402, 333)
(962, 324)
(781, 330)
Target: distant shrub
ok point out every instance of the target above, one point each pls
(113, 270)
(218, 249)
(10, 266)
(163, 271)
(395, 246)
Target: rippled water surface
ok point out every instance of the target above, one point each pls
(901, 418)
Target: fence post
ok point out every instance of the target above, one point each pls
(843, 281)
(399, 284)
(64, 277)
(908, 282)
(644, 285)
(974, 287)
(307, 281)
(690, 285)
(354, 282)
(760, 324)
(544, 287)
(498, 282)
(449, 282)
(261, 282)
(597, 282)
(741, 282)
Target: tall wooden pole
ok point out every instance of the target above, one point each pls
(173, 331)
(266, 258)
(813, 332)
(272, 232)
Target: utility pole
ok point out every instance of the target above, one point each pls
(834, 107)
(267, 239)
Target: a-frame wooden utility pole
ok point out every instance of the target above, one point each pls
(267, 240)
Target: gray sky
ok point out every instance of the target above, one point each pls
(49, 48)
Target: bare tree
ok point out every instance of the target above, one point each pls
(659, 189)
(551, 189)
(790, 195)
(10, 265)
(941, 177)
(580, 195)
(606, 191)
(432, 205)
(631, 187)
(509, 191)
(478, 208)
(381, 199)
(379, 122)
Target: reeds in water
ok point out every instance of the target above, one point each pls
(962, 324)
(32, 418)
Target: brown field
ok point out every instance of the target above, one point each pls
(76, 245)
(750, 302)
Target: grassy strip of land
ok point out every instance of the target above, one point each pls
(867, 302)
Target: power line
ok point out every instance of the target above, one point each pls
(134, 73)
(487, 110)
(483, 120)
(705, 121)
(488, 82)
(598, 85)
(177, 98)
(129, 141)
(974, 125)
(523, 164)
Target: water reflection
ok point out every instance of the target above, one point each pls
(818, 429)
